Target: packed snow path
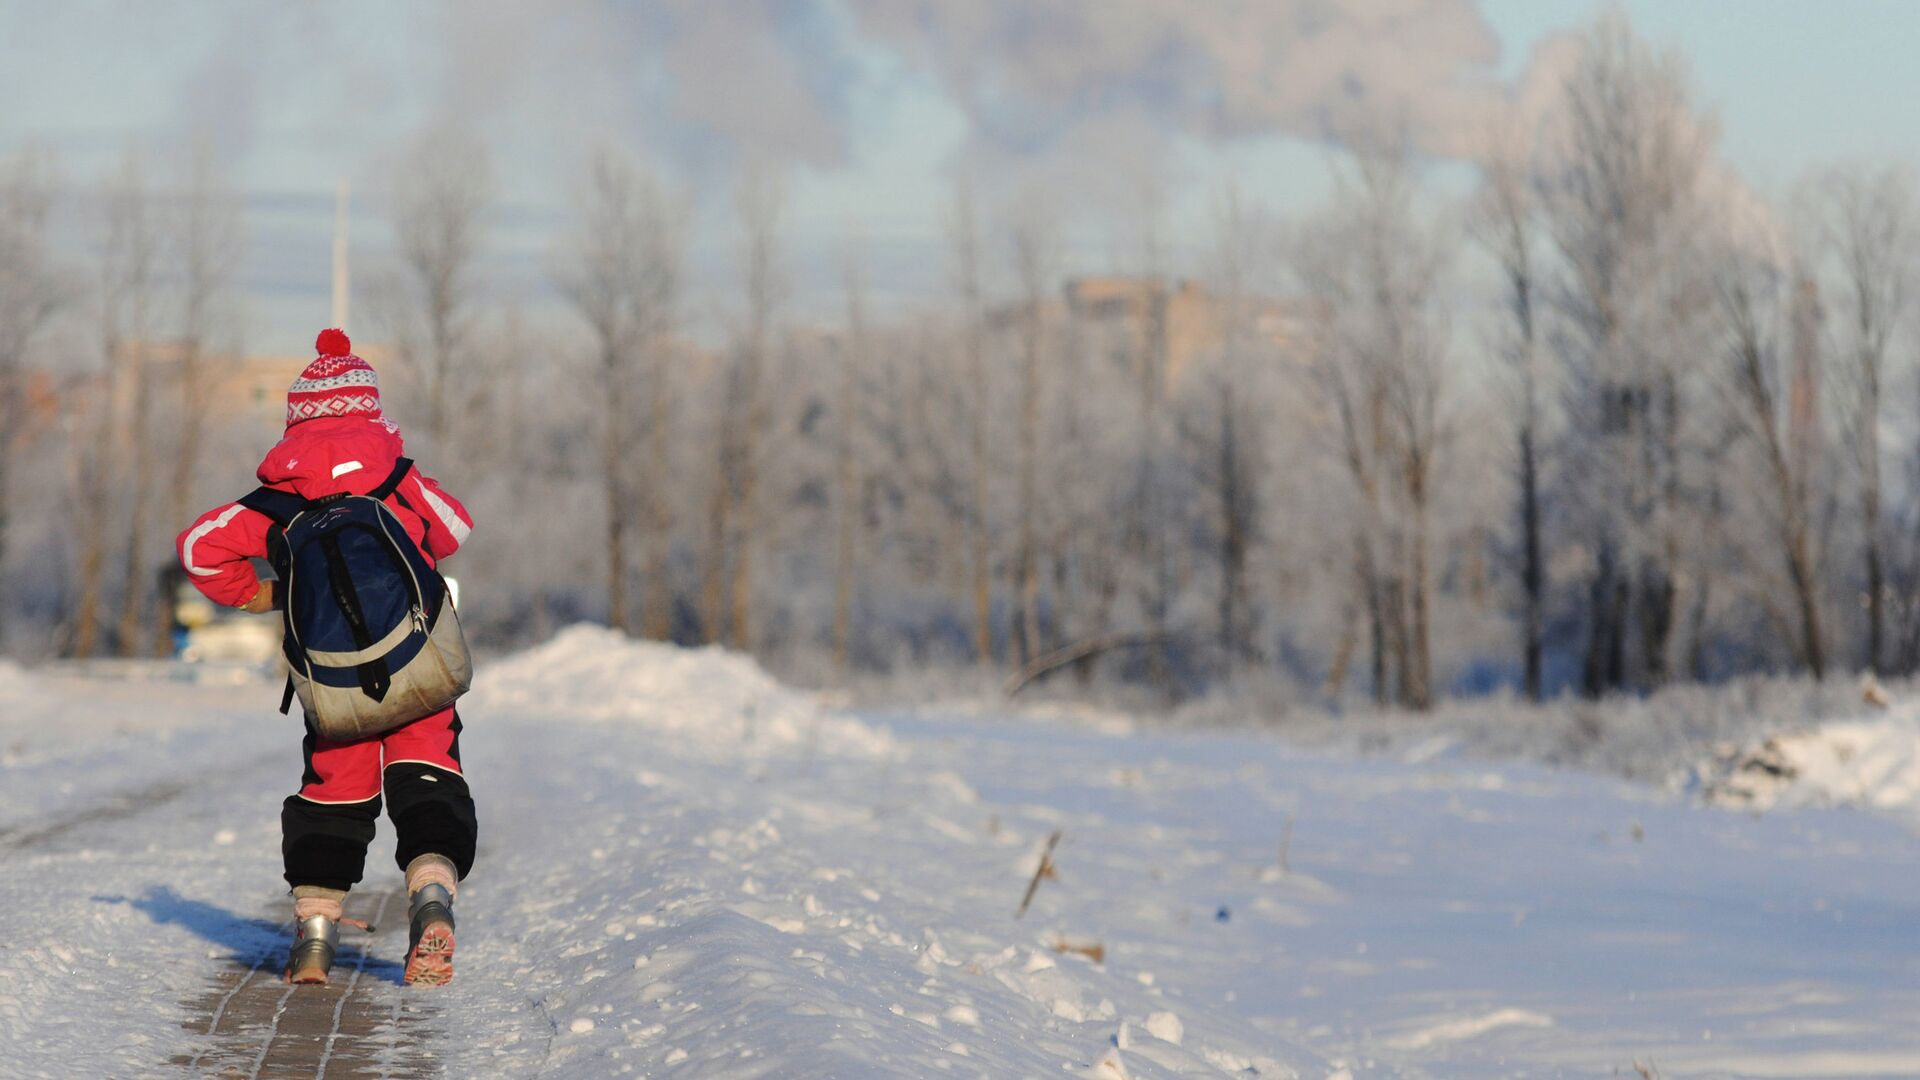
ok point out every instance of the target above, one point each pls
(256, 1025)
(687, 871)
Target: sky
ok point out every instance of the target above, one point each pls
(1083, 111)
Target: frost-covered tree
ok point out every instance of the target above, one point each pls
(1769, 374)
(32, 291)
(963, 232)
(441, 188)
(1374, 269)
(1624, 201)
(1228, 430)
(623, 276)
(1032, 252)
(1865, 238)
(128, 297)
(1505, 222)
(209, 239)
(850, 423)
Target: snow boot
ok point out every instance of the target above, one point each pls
(430, 946)
(316, 941)
(317, 915)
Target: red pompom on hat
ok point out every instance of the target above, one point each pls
(338, 383)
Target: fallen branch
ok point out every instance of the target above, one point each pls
(1049, 662)
(1044, 870)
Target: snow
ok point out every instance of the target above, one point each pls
(709, 700)
(1866, 763)
(1655, 740)
(1469, 1027)
(689, 870)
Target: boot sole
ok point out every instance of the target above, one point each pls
(308, 976)
(430, 963)
(308, 963)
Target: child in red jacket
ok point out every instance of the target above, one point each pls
(338, 441)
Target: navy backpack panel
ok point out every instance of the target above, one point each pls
(364, 640)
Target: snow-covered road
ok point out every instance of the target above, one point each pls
(687, 870)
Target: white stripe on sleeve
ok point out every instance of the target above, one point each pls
(199, 533)
(455, 527)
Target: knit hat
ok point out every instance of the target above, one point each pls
(338, 383)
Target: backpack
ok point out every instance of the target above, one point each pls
(371, 638)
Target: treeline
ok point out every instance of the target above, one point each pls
(1608, 421)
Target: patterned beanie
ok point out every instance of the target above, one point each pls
(338, 383)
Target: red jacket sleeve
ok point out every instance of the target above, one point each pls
(216, 548)
(448, 522)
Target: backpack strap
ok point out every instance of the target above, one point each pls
(375, 678)
(281, 506)
(392, 487)
(391, 484)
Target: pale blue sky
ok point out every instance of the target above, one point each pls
(1793, 81)
(867, 119)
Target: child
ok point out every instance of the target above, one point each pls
(337, 441)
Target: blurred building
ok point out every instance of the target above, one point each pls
(1158, 331)
(41, 399)
(238, 386)
(252, 385)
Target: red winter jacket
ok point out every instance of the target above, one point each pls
(316, 458)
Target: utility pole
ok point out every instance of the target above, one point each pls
(340, 289)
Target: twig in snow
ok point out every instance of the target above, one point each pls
(1092, 950)
(1044, 870)
(1286, 841)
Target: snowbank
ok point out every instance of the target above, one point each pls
(1874, 764)
(1656, 740)
(714, 701)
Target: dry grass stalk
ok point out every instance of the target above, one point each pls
(1044, 870)
(1092, 950)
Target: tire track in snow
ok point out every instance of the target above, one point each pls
(117, 806)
